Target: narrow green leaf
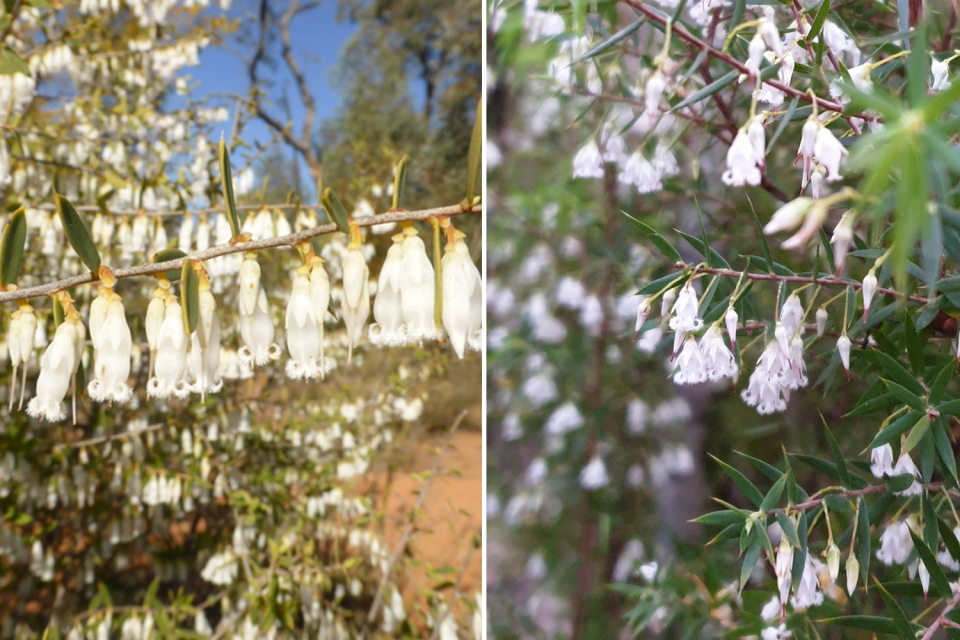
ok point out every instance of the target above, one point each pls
(77, 234)
(765, 468)
(190, 297)
(918, 431)
(335, 209)
(918, 66)
(904, 628)
(708, 252)
(862, 543)
(58, 313)
(750, 558)
(474, 158)
(940, 381)
(717, 85)
(104, 594)
(898, 483)
(165, 256)
(906, 397)
(914, 348)
(931, 535)
(938, 578)
(950, 407)
(789, 528)
(827, 248)
(876, 624)
(818, 21)
(910, 204)
(800, 555)
(226, 183)
(942, 441)
(729, 533)
(763, 238)
(895, 371)
(773, 496)
(673, 279)
(399, 183)
(828, 468)
(949, 539)
(720, 518)
(896, 428)
(838, 460)
(658, 240)
(748, 488)
(619, 36)
(12, 247)
(11, 63)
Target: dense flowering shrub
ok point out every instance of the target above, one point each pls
(713, 131)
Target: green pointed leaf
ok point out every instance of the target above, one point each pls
(875, 624)
(748, 488)
(905, 396)
(190, 296)
(658, 240)
(773, 496)
(916, 434)
(474, 163)
(914, 347)
(619, 36)
(895, 371)
(896, 428)
(399, 183)
(12, 247)
(720, 518)
(942, 441)
(58, 313)
(789, 528)
(675, 279)
(898, 483)
(335, 209)
(165, 256)
(838, 460)
(750, 558)
(862, 543)
(950, 407)
(765, 468)
(708, 252)
(941, 380)
(763, 237)
(226, 183)
(11, 63)
(949, 539)
(77, 234)
(910, 204)
(904, 628)
(938, 579)
(828, 468)
(818, 21)
(717, 85)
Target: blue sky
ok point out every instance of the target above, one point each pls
(318, 40)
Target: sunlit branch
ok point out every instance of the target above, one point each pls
(225, 249)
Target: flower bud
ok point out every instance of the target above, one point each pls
(841, 240)
(869, 288)
(667, 302)
(789, 216)
(853, 572)
(833, 561)
(821, 321)
(843, 346)
(642, 312)
(731, 322)
(784, 568)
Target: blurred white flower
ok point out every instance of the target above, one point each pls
(594, 475)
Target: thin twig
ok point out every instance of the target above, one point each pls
(89, 442)
(941, 619)
(688, 37)
(407, 532)
(828, 282)
(225, 249)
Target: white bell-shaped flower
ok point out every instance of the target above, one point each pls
(417, 289)
(388, 329)
(205, 343)
(171, 356)
(320, 299)
(21, 338)
(829, 152)
(477, 311)
(112, 347)
(743, 161)
(303, 332)
(718, 361)
(686, 311)
(57, 367)
(458, 285)
(257, 333)
(356, 293)
(690, 366)
(896, 545)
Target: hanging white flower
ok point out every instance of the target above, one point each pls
(112, 348)
(256, 325)
(205, 342)
(417, 288)
(388, 329)
(57, 367)
(171, 355)
(356, 295)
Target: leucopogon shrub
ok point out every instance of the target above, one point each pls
(186, 448)
(740, 124)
